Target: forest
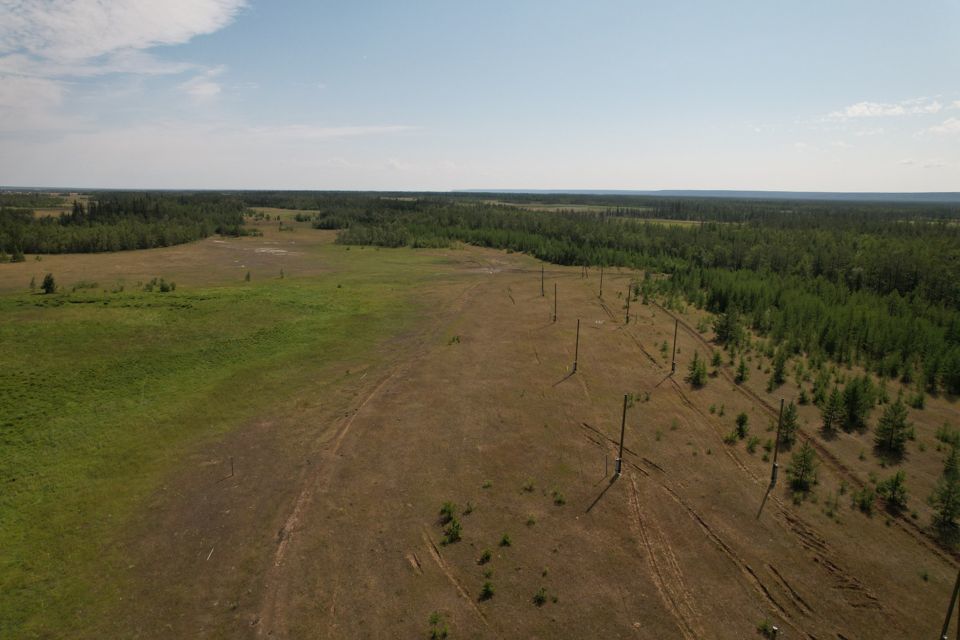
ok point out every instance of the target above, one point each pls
(858, 283)
(115, 221)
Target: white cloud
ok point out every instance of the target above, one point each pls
(66, 31)
(884, 109)
(310, 132)
(949, 127)
(908, 161)
(878, 131)
(203, 88)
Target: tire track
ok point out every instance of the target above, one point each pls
(666, 574)
(271, 618)
(442, 565)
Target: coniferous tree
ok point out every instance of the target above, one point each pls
(946, 498)
(778, 370)
(832, 412)
(743, 372)
(858, 400)
(894, 491)
(892, 430)
(49, 285)
(802, 470)
(697, 371)
(788, 428)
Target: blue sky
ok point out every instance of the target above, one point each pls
(838, 96)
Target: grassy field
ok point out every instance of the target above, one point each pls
(367, 388)
(100, 393)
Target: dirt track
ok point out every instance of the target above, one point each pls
(330, 528)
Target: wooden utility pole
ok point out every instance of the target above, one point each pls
(554, 301)
(601, 280)
(629, 287)
(953, 601)
(673, 364)
(776, 449)
(541, 281)
(623, 427)
(576, 349)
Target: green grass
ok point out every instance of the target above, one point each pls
(101, 394)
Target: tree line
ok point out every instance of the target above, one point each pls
(116, 221)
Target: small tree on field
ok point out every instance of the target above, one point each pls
(788, 428)
(743, 372)
(802, 470)
(742, 428)
(946, 498)
(778, 371)
(697, 371)
(858, 400)
(49, 285)
(717, 360)
(832, 412)
(893, 430)
(894, 491)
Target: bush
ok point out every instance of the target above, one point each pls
(447, 512)
(486, 591)
(49, 285)
(505, 540)
(864, 499)
(540, 597)
(485, 557)
(742, 428)
(452, 533)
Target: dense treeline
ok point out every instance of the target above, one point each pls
(879, 288)
(117, 221)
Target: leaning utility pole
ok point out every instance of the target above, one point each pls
(601, 280)
(576, 349)
(673, 365)
(953, 601)
(776, 449)
(623, 427)
(554, 301)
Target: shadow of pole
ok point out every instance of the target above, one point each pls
(602, 493)
(764, 502)
(564, 378)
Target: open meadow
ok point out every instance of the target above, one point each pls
(393, 443)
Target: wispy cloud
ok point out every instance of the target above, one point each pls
(949, 127)
(886, 109)
(203, 87)
(310, 132)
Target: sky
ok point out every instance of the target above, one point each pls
(442, 95)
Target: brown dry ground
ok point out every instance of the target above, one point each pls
(329, 526)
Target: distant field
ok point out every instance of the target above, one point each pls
(591, 208)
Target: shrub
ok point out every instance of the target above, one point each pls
(49, 285)
(485, 557)
(447, 512)
(540, 597)
(486, 591)
(742, 425)
(452, 533)
(505, 540)
(863, 500)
